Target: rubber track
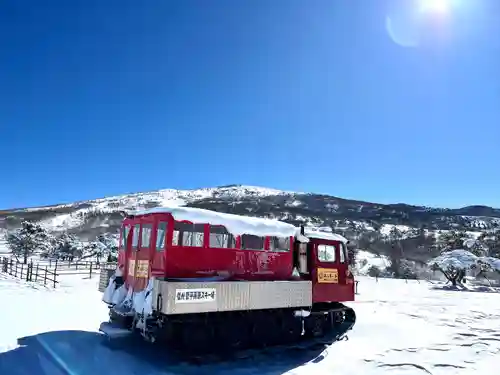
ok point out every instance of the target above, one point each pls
(309, 344)
(306, 344)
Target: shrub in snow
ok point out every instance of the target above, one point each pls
(374, 271)
(489, 264)
(408, 269)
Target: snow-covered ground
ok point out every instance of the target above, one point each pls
(3, 245)
(402, 328)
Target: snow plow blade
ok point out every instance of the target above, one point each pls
(114, 331)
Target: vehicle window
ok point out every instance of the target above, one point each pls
(125, 231)
(135, 235)
(326, 253)
(188, 234)
(147, 229)
(251, 242)
(342, 253)
(280, 244)
(161, 231)
(221, 238)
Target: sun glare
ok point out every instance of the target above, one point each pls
(435, 6)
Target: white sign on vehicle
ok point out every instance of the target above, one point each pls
(194, 295)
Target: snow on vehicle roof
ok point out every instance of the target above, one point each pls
(235, 224)
(313, 233)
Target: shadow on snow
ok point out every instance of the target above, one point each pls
(88, 353)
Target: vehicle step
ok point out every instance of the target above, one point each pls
(114, 330)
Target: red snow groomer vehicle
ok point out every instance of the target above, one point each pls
(193, 277)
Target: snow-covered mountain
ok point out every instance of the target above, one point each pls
(92, 217)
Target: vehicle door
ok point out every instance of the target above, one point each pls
(328, 271)
(159, 241)
(143, 253)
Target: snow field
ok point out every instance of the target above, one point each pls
(401, 328)
(4, 250)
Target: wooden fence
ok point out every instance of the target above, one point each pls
(49, 271)
(29, 271)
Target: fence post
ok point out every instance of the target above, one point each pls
(45, 278)
(36, 274)
(90, 269)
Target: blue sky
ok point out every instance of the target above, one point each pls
(102, 97)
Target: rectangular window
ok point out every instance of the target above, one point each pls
(251, 242)
(125, 231)
(221, 238)
(147, 229)
(279, 244)
(161, 232)
(326, 253)
(342, 253)
(135, 236)
(188, 234)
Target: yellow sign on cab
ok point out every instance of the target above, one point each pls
(142, 268)
(328, 275)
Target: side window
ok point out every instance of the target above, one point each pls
(125, 231)
(161, 232)
(342, 253)
(280, 244)
(188, 234)
(326, 253)
(147, 229)
(250, 242)
(221, 238)
(135, 236)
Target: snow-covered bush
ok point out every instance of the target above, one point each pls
(455, 263)
(374, 271)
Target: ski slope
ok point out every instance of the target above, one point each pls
(402, 328)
